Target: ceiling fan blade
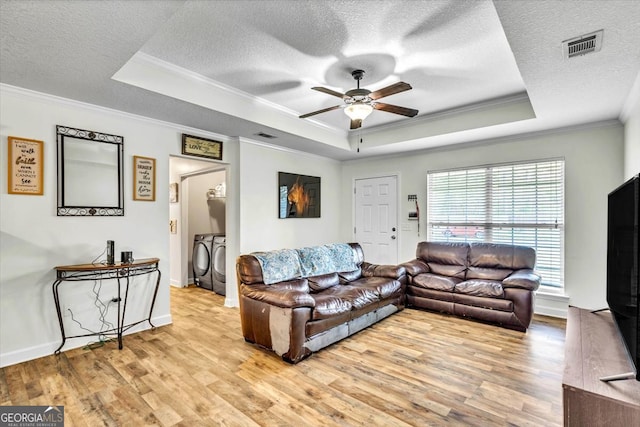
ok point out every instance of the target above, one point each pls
(324, 110)
(329, 92)
(355, 124)
(409, 112)
(390, 90)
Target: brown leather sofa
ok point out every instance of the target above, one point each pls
(299, 312)
(489, 282)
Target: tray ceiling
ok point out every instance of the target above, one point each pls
(479, 69)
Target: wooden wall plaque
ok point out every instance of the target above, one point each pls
(26, 166)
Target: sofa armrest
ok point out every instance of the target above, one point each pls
(524, 279)
(390, 271)
(415, 267)
(285, 298)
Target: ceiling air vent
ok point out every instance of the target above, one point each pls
(582, 45)
(265, 135)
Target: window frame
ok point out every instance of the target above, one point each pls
(556, 263)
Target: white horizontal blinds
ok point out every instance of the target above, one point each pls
(456, 203)
(520, 204)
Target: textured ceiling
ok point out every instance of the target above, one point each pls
(452, 53)
(479, 69)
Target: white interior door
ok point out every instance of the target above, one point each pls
(376, 223)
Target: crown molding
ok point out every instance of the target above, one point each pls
(495, 140)
(287, 150)
(45, 97)
(438, 115)
(149, 73)
(143, 57)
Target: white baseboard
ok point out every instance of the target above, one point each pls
(42, 350)
(231, 302)
(554, 305)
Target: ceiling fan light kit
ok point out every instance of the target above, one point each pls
(358, 110)
(361, 102)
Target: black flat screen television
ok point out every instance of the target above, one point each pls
(623, 257)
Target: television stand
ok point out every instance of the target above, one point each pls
(594, 349)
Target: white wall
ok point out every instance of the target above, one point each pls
(33, 240)
(261, 227)
(594, 161)
(632, 141)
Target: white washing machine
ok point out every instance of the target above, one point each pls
(209, 257)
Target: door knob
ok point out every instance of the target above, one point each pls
(393, 237)
(393, 229)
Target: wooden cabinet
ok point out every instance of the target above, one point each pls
(594, 349)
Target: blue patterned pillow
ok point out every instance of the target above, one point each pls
(333, 258)
(279, 265)
(344, 257)
(315, 261)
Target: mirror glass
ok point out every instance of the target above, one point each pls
(89, 173)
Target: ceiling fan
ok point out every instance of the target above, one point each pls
(359, 103)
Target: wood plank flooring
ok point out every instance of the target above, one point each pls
(414, 368)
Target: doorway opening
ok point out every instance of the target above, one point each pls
(198, 214)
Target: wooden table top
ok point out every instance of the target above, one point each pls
(103, 266)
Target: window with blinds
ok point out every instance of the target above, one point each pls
(520, 204)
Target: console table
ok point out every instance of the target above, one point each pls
(121, 273)
(594, 349)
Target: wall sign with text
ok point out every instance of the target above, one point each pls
(144, 178)
(201, 147)
(26, 166)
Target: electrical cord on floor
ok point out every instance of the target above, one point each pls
(103, 309)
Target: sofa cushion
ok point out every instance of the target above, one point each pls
(492, 255)
(525, 279)
(447, 259)
(319, 283)
(434, 281)
(281, 297)
(358, 296)
(429, 293)
(383, 286)
(443, 253)
(484, 302)
(329, 306)
(301, 285)
(488, 273)
(480, 288)
(349, 276)
(448, 270)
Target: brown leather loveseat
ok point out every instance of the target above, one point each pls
(297, 301)
(489, 282)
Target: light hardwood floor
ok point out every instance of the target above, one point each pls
(413, 368)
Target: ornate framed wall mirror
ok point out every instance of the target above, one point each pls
(90, 168)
